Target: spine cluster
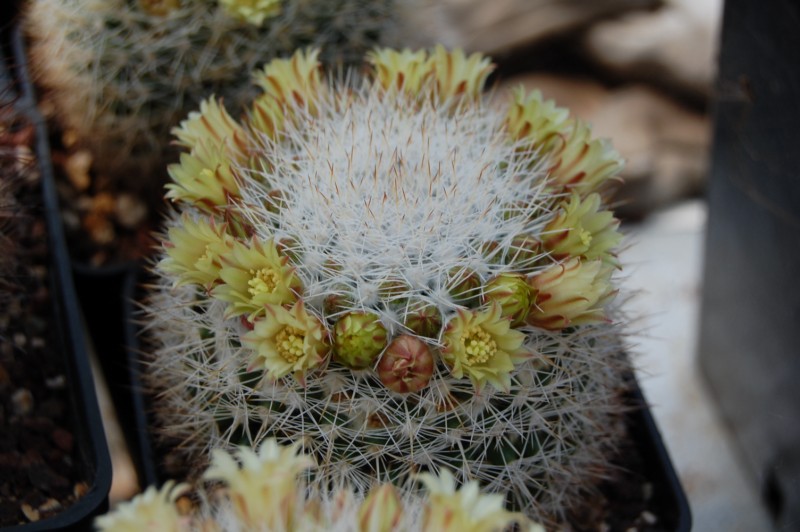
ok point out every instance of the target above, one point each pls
(397, 276)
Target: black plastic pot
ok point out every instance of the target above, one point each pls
(92, 451)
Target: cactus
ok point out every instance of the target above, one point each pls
(122, 73)
(403, 196)
(265, 490)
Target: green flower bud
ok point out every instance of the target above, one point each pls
(512, 293)
(407, 365)
(425, 321)
(358, 339)
(464, 286)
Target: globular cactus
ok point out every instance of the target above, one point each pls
(122, 73)
(397, 276)
(264, 490)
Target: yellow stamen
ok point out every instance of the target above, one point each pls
(290, 344)
(264, 281)
(586, 237)
(478, 345)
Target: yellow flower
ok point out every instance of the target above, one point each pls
(263, 487)
(464, 510)
(483, 345)
(404, 70)
(252, 11)
(293, 82)
(540, 123)
(456, 74)
(152, 511)
(213, 125)
(583, 164)
(381, 511)
(255, 276)
(204, 177)
(287, 340)
(571, 293)
(580, 229)
(193, 251)
(266, 117)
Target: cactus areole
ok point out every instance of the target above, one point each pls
(414, 301)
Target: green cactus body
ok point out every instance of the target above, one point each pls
(123, 73)
(392, 188)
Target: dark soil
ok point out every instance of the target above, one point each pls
(40, 473)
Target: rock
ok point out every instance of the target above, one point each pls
(501, 25)
(77, 168)
(674, 46)
(665, 145)
(130, 211)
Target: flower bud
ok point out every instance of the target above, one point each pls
(512, 293)
(407, 365)
(381, 510)
(425, 321)
(464, 286)
(571, 293)
(358, 339)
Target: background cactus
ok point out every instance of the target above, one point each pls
(122, 73)
(264, 491)
(400, 196)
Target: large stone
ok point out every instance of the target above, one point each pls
(675, 46)
(665, 145)
(499, 26)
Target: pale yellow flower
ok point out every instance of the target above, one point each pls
(213, 125)
(205, 177)
(293, 82)
(571, 293)
(266, 117)
(254, 276)
(581, 229)
(152, 511)
(482, 345)
(252, 11)
(583, 164)
(381, 511)
(287, 341)
(262, 487)
(463, 510)
(538, 122)
(193, 251)
(456, 74)
(405, 70)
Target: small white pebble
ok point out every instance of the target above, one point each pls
(49, 505)
(56, 383)
(20, 340)
(649, 517)
(647, 491)
(31, 513)
(22, 400)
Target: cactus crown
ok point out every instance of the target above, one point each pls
(387, 271)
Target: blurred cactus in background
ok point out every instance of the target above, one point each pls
(265, 490)
(122, 73)
(396, 276)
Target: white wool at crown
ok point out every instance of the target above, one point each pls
(383, 210)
